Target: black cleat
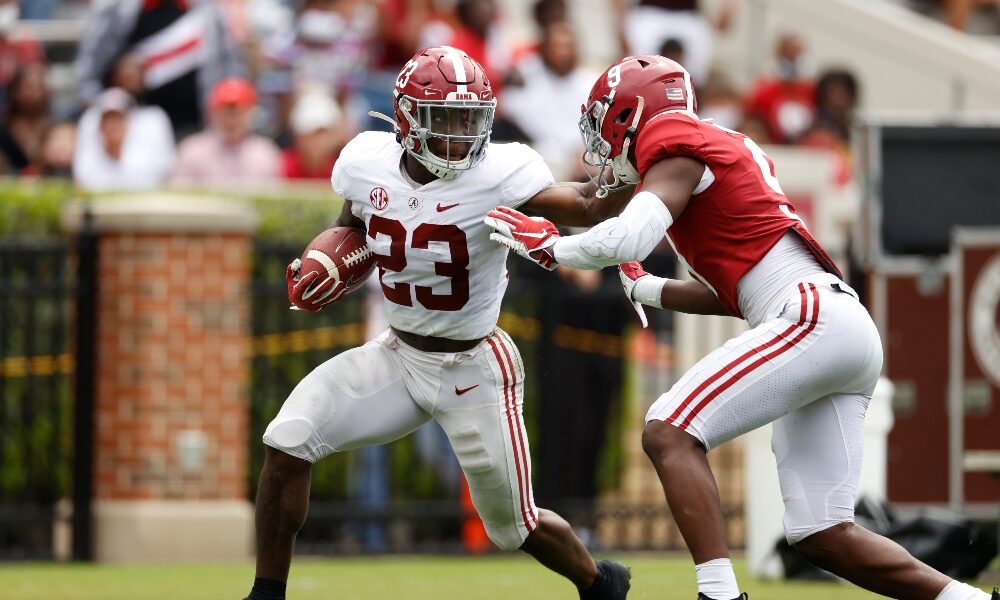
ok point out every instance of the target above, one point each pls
(612, 582)
(743, 596)
(996, 594)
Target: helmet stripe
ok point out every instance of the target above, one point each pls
(456, 62)
(690, 92)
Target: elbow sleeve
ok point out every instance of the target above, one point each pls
(629, 236)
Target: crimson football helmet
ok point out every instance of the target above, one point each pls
(624, 98)
(444, 109)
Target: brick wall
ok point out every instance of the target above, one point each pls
(173, 357)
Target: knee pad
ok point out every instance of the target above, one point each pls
(291, 435)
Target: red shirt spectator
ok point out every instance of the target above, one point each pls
(17, 47)
(786, 107)
(786, 104)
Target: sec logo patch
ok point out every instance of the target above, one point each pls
(379, 198)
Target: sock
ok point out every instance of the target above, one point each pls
(267, 589)
(717, 580)
(956, 590)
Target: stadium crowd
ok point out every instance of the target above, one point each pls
(248, 91)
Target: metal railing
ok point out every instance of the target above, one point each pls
(37, 289)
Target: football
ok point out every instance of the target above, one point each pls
(343, 254)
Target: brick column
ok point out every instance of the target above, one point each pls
(171, 423)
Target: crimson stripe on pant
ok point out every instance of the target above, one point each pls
(511, 408)
(686, 422)
(507, 346)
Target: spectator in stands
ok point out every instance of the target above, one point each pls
(126, 73)
(477, 31)
(26, 119)
(645, 26)
(18, 48)
(673, 49)
(786, 103)
(55, 160)
(330, 44)
(182, 45)
(401, 30)
(836, 99)
(319, 134)
(121, 146)
(547, 106)
(228, 151)
(546, 12)
(543, 13)
(718, 100)
(958, 12)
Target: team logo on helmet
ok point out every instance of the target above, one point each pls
(379, 198)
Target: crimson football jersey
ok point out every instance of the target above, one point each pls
(738, 211)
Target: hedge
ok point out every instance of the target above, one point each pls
(31, 210)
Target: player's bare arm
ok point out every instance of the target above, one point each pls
(347, 218)
(686, 296)
(673, 180)
(576, 204)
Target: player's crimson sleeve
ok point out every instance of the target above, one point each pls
(524, 173)
(669, 135)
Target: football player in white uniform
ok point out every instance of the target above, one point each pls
(420, 195)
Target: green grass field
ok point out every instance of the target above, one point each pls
(505, 577)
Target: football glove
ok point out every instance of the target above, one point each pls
(531, 237)
(312, 291)
(630, 273)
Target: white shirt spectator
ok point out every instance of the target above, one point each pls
(547, 107)
(144, 145)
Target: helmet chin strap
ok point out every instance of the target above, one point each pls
(624, 173)
(441, 172)
(629, 173)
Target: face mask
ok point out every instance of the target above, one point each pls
(791, 70)
(9, 15)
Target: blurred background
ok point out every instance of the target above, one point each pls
(163, 160)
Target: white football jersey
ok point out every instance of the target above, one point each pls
(441, 274)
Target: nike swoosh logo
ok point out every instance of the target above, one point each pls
(459, 392)
(540, 234)
(444, 207)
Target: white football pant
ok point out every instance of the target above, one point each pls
(385, 389)
(811, 372)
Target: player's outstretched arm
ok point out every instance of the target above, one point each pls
(666, 189)
(576, 204)
(687, 296)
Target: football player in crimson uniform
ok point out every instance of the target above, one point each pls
(420, 195)
(809, 363)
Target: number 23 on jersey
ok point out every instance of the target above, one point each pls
(457, 270)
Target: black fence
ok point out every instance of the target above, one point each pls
(571, 343)
(37, 293)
